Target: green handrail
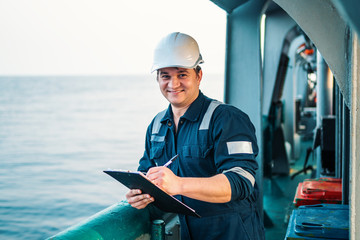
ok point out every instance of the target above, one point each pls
(119, 222)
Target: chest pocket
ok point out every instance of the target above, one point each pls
(197, 161)
(157, 149)
(195, 151)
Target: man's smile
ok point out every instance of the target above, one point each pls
(175, 91)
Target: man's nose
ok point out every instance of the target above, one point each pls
(174, 82)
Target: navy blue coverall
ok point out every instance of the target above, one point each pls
(212, 138)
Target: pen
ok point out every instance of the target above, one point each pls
(171, 160)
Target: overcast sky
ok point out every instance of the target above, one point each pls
(96, 37)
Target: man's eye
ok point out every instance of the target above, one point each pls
(165, 76)
(183, 75)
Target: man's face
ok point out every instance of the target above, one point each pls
(180, 86)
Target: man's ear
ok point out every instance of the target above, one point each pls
(199, 75)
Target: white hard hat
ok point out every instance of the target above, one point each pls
(176, 50)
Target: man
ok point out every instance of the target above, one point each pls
(216, 145)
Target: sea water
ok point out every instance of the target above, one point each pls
(57, 135)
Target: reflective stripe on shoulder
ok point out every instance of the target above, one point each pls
(237, 147)
(155, 138)
(208, 114)
(157, 122)
(242, 173)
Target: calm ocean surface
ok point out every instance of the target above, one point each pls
(57, 134)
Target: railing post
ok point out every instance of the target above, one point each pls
(158, 230)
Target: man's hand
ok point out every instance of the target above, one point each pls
(165, 179)
(138, 200)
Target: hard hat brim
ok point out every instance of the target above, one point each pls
(156, 67)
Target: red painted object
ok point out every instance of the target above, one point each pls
(316, 191)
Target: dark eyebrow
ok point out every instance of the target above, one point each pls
(179, 71)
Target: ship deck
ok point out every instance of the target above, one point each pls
(279, 192)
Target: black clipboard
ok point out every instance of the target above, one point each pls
(163, 201)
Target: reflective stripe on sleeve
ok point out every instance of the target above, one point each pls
(242, 173)
(239, 147)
